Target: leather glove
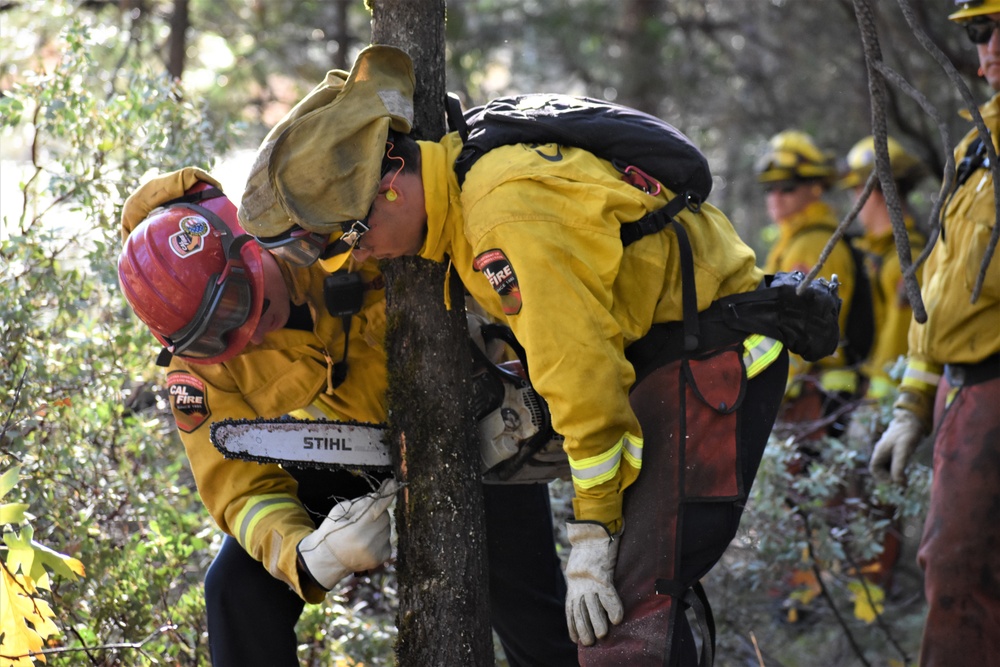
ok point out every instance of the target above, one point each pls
(894, 449)
(591, 598)
(354, 537)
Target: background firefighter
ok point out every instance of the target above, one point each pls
(953, 376)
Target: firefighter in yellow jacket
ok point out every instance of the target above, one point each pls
(891, 304)
(250, 337)
(795, 175)
(955, 357)
(534, 235)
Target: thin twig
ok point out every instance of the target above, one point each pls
(825, 593)
(756, 648)
(138, 646)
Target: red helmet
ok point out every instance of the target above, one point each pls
(195, 278)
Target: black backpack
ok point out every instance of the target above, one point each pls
(619, 134)
(622, 135)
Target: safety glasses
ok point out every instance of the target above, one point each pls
(297, 246)
(980, 29)
(223, 308)
(226, 305)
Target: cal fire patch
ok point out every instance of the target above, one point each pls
(189, 240)
(188, 400)
(496, 267)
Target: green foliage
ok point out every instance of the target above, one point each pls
(105, 472)
(801, 573)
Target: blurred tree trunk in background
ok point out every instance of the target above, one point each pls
(642, 82)
(443, 617)
(341, 35)
(179, 22)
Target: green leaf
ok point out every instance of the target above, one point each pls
(8, 479)
(13, 513)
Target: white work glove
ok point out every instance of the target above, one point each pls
(591, 598)
(894, 449)
(354, 537)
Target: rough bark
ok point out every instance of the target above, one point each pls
(443, 597)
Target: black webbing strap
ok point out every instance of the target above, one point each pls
(339, 370)
(692, 597)
(653, 223)
(456, 119)
(195, 197)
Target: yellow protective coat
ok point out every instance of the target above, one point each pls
(288, 372)
(893, 311)
(554, 213)
(801, 240)
(957, 331)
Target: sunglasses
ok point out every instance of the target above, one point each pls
(980, 29)
(297, 246)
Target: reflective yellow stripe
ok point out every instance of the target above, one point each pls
(256, 509)
(922, 376)
(594, 470)
(759, 352)
(632, 449)
(839, 379)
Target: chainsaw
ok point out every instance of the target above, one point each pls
(517, 444)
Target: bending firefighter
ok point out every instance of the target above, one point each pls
(545, 237)
(251, 336)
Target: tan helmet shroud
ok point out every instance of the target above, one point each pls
(320, 165)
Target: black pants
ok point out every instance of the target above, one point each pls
(252, 615)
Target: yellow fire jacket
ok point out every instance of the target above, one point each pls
(534, 236)
(957, 331)
(288, 373)
(801, 240)
(893, 311)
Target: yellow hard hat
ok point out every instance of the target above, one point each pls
(907, 169)
(793, 156)
(968, 9)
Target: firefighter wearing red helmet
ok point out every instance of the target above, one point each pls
(192, 275)
(295, 361)
(950, 387)
(241, 348)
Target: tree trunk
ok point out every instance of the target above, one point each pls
(642, 85)
(443, 598)
(179, 22)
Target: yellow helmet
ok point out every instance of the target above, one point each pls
(907, 169)
(793, 156)
(968, 9)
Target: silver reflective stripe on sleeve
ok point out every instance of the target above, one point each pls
(759, 352)
(256, 509)
(595, 470)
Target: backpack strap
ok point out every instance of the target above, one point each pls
(456, 119)
(654, 222)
